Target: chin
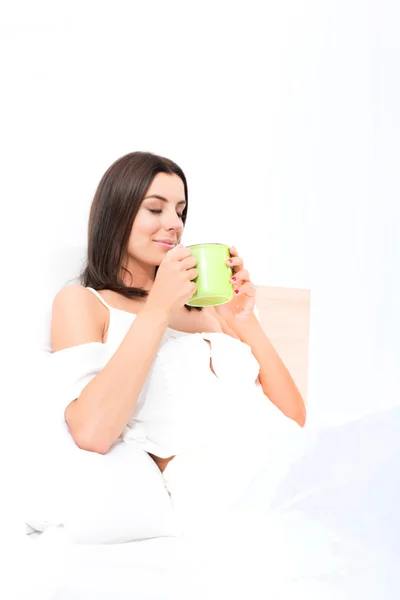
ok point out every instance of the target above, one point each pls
(152, 259)
(156, 258)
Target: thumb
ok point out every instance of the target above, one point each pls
(174, 248)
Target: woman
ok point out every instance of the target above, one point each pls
(137, 265)
(204, 393)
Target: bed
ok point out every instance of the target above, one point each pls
(336, 538)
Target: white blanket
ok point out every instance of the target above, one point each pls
(250, 434)
(269, 510)
(330, 532)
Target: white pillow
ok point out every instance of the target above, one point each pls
(99, 499)
(57, 269)
(116, 497)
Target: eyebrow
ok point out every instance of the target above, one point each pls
(164, 199)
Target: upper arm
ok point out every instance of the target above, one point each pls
(77, 318)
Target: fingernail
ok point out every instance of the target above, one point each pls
(233, 279)
(236, 291)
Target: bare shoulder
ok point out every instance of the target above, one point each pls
(77, 318)
(72, 297)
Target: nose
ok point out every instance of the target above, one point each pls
(172, 221)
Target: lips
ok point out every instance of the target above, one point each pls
(167, 244)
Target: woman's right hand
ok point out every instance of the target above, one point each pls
(173, 285)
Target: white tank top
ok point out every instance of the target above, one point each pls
(183, 404)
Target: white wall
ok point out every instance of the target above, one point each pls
(283, 115)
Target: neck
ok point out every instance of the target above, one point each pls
(138, 274)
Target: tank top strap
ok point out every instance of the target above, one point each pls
(96, 293)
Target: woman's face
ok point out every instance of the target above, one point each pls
(158, 220)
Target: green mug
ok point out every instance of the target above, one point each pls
(213, 285)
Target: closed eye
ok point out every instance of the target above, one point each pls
(159, 211)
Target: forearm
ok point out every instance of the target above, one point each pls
(105, 405)
(276, 381)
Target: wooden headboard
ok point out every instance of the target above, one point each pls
(285, 317)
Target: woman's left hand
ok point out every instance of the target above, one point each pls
(244, 292)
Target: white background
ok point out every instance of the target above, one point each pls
(285, 119)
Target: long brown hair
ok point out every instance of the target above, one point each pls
(114, 208)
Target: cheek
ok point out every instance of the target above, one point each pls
(144, 226)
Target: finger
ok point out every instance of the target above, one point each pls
(248, 288)
(240, 276)
(188, 262)
(192, 273)
(233, 251)
(180, 250)
(180, 245)
(235, 262)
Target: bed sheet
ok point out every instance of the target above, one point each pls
(236, 566)
(332, 532)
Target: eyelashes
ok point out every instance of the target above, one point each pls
(158, 212)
